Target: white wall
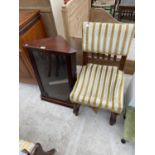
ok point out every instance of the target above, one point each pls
(56, 8)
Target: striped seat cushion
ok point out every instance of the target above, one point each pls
(26, 145)
(99, 86)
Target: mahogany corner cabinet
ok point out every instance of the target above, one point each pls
(54, 65)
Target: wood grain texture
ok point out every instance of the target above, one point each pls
(46, 12)
(25, 74)
(25, 17)
(53, 44)
(35, 31)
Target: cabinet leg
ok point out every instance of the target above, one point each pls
(124, 115)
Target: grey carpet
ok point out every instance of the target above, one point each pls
(56, 126)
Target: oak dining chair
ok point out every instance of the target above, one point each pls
(100, 83)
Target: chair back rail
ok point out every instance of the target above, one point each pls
(126, 13)
(103, 59)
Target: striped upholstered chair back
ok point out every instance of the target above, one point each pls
(107, 39)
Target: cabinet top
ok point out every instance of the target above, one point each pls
(52, 44)
(25, 16)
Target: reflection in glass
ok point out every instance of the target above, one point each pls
(53, 74)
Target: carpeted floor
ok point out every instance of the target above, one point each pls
(56, 126)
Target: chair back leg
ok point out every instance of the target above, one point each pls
(113, 118)
(76, 109)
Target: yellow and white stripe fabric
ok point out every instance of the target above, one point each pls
(26, 145)
(107, 38)
(99, 86)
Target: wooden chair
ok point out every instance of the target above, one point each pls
(30, 148)
(100, 82)
(126, 13)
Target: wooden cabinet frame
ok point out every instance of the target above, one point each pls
(67, 52)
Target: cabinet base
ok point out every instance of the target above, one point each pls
(60, 102)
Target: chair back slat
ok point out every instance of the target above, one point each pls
(115, 58)
(126, 13)
(109, 56)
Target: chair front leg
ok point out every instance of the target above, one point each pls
(113, 118)
(76, 109)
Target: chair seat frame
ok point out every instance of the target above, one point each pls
(102, 59)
